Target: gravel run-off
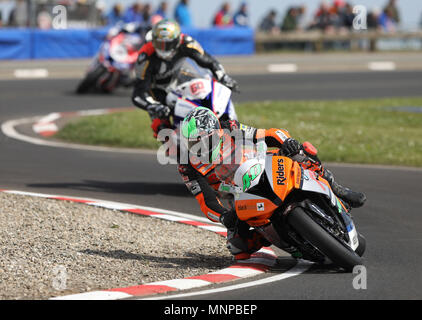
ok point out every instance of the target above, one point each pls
(51, 248)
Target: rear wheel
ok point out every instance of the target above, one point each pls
(322, 240)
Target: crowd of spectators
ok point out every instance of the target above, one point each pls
(331, 17)
(144, 13)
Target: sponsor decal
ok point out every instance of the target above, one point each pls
(213, 216)
(242, 207)
(251, 175)
(194, 187)
(280, 172)
(281, 135)
(197, 87)
(243, 127)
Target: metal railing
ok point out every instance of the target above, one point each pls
(316, 40)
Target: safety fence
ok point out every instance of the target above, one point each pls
(83, 43)
(318, 40)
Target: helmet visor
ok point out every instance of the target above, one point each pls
(206, 147)
(165, 45)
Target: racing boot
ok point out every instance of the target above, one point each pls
(242, 242)
(353, 198)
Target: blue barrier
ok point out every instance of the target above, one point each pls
(16, 44)
(48, 44)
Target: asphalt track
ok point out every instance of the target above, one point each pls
(391, 220)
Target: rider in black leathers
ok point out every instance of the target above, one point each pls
(159, 60)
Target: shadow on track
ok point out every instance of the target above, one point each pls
(140, 188)
(188, 260)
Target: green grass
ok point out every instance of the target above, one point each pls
(354, 131)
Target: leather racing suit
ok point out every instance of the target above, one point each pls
(202, 181)
(153, 75)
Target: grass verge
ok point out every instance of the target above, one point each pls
(355, 131)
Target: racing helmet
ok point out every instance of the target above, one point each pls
(202, 134)
(166, 38)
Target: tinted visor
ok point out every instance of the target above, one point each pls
(204, 145)
(166, 46)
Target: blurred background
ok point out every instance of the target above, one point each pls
(222, 27)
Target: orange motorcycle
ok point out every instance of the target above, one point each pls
(292, 206)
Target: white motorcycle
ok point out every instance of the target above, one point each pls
(194, 86)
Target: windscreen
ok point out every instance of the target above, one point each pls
(189, 70)
(231, 161)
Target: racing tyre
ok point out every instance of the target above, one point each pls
(360, 250)
(90, 79)
(326, 243)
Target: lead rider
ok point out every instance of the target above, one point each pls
(201, 126)
(159, 60)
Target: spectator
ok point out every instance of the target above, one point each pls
(268, 24)
(290, 20)
(115, 15)
(44, 20)
(146, 14)
(162, 10)
(223, 17)
(241, 18)
(301, 12)
(134, 14)
(337, 13)
(182, 14)
(323, 19)
(394, 12)
(19, 16)
(386, 20)
(347, 16)
(373, 18)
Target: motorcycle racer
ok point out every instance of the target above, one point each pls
(201, 178)
(159, 60)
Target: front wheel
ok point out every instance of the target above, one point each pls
(322, 240)
(90, 79)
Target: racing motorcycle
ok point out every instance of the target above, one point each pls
(115, 61)
(193, 86)
(292, 206)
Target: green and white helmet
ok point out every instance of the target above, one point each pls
(202, 134)
(166, 38)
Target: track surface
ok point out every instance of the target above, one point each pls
(391, 220)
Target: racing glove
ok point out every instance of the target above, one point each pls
(158, 111)
(228, 81)
(291, 147)
(158, 124)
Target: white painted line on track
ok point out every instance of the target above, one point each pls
(282, 68)
(30, 73)
(298, 269)
(382, 66)
(182, 284)
(8, 128)
(95, 295)
(237, 271)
